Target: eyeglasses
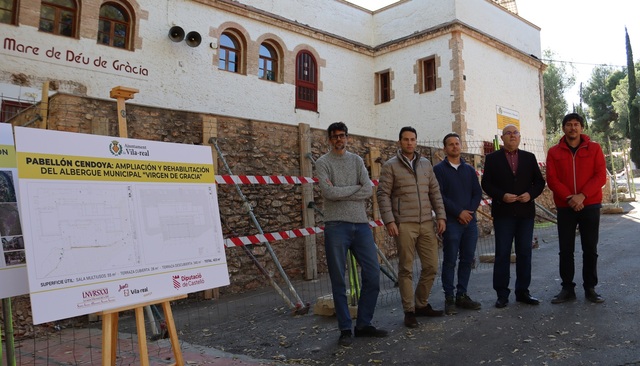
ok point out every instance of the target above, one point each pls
(341, 136)
(509, 133)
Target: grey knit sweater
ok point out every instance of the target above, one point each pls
(345, 186)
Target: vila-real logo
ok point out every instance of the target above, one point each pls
(115, 148)
(124, 288)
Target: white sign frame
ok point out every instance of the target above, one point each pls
(114, 222)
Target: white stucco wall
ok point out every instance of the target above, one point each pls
(499, 80)
(331, 16)
(410, 17)
(493, 20)
(429, 113)
(483, 15)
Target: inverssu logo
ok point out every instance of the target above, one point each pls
(93, 294)
(95, 297)
(115, 148)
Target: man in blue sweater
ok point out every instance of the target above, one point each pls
(346, 187)
(461, 193)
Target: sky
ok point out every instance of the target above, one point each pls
(583, 32)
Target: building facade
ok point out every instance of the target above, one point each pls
(439, 65)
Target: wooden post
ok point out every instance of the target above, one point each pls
(121, 94)
(110, 318)
(372, 157)
(110, 332)
(308, 214)
(210, 131)
(44, 105)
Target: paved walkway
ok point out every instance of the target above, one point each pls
(83, 347)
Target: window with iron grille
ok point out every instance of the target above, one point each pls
(306, 82)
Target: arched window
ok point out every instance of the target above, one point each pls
(114, 28)
(8, 11)
(268, 63)
(59, 17)
(306, 82)
(230, 52)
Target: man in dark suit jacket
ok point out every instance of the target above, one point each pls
(512, 179)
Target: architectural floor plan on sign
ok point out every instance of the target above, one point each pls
(81, 228)
(88, 228)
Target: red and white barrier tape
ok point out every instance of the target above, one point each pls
(281, 179)
(268, 179)
(281, 235)
(263, 179)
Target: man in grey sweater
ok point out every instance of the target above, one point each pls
(346, 187)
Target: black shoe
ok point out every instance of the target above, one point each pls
(450, 305)
(563, 296)
(410, 320)
(591, 295)
(345, 339)
(428, 311)
(526, 298)
(370, 331)
(502, 302)
(464, 301)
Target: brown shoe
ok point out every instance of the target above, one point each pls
(428, 311)
(410, 320)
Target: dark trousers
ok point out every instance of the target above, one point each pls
(509, 230)
(588, 222)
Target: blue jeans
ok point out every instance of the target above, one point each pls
(340, 236)
(459, 242)
(588, 221)
(506, 230)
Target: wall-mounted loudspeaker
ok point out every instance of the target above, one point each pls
(193, 39)
(176, 34)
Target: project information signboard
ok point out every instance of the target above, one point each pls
(113, 222)
(13, 268)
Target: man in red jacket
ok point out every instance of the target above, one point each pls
(576, 172)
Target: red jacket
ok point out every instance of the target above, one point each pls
(569, 174)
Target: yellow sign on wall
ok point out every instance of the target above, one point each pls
(506, 116)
